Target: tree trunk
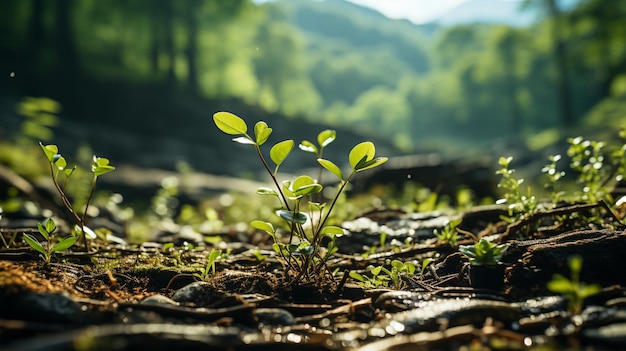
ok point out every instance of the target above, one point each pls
(562, 75)
(191, 18)
(169, 43)
(36, 31)
(66, 51)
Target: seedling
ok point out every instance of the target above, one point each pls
(381, 276)
(484, 252)
(598, 167)
(575, 291)
(554, 175)
(520, 203)
(49, 247)
(449, 234)
(58, 164)
(301, 254)
(374, 280)
(212, 257)
(425, 263)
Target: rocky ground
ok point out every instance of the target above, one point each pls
(118, 296)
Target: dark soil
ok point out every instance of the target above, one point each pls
(124, 297)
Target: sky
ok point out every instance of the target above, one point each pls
(416, 11)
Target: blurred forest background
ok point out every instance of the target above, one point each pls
(138, 80)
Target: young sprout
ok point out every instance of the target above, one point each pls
(484, 252)
(575, 291)
(49, 247)
(302, 253)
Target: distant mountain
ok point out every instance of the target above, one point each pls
(356, 27)
(508, 12)
(488, 11)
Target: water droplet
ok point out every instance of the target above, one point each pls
(528, 341)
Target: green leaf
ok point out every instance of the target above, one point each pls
(589, 290)
(266, 191)
(43, 231)
(230, 123)
(286, 190)
(326, 137)
(265, 226)
(361, 153)
(504, 161)
(376, 270)
(317, 206)
(100, 166)
(59, 162)
(50, 225)
(64, 244)
(308, 189)
(575, 263)
(304, 185)
(213, 255)
(280, 151)
(333, 168)
(371, 163)
(49, 151)
(301, 181)
(261, 132)
(425, 263)
(560, 284)
(68, 171)
(302, 249)
(409, 267)
(298, 217)
(332, 230)
(32, 241)
(308, 146)
(357, 276)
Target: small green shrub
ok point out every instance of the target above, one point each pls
(484, 252)
(299, 209)
(598, 166)
(49, 247)
(575, 291)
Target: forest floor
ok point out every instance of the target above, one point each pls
(156, 296)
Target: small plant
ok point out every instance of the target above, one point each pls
(598, 166)
(212, 258)
(520, 203)
(425, 263)
(381, 276)
(374, 280)
(575, 291)
(554, 176)
(449, 234)
(58, 165)
(49, 247)
(484, 252)
(399, 269)
(301, 253)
